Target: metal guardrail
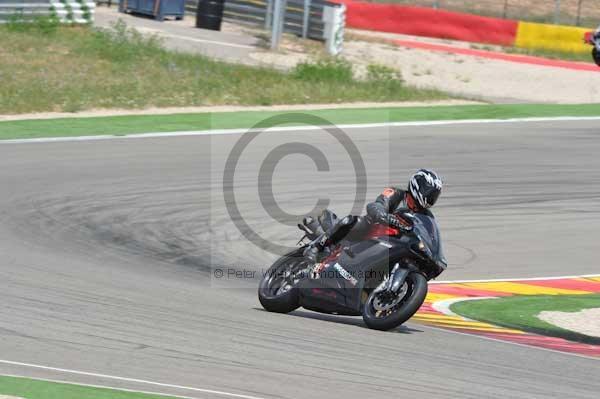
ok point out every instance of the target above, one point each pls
(24, 9)
(68, 11)
(302, 17)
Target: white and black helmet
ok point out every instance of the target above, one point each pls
(425, 186)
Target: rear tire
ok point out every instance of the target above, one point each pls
(408, 306)
(270, 293)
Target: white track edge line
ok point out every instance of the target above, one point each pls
(96, 386)
(513, 279)
(117, 378)
(298, 128)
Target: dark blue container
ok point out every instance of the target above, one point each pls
(159, 9)
(209, 14)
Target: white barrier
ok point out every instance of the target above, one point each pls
(74, 11)
(335, 22)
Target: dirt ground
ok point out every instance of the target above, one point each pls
(467, 76)
(584, 322)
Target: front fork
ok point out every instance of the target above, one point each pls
(397, 278)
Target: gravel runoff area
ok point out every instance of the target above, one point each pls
(469, 76)
(586, 321)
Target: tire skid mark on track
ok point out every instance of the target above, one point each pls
(62, 280)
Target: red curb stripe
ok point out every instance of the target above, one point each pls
(426, 308)
(523, 338)
(578, 285)
(521, 59)
(558, 344)
(464, 291)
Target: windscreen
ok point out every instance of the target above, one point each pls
(427, 228)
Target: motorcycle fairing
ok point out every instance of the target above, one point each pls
(367, 261)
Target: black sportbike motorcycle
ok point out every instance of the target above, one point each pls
(363, 268)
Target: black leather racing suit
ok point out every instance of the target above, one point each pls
(382, 210)
(387, 203)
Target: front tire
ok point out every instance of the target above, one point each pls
(416, 291)
(277, 290)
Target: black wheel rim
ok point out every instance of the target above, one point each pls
(284, 277)
(387, 297)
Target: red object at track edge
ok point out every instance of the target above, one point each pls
(421, 21)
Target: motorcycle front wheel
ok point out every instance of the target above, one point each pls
(384, 310)
(277, 291)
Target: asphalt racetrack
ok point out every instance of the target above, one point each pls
(109, 249)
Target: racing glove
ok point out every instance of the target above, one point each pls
(393, 221)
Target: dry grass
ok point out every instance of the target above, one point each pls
(76, 68)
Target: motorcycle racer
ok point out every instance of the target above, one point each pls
(361, 265)
(424, 189)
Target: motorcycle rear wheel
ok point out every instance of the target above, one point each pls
(402, 311)
(277, 291)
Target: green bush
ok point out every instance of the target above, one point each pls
(47, 25)
(17, 23)
(382, 73)
(121, 44)
(44, 24)
(325, 70)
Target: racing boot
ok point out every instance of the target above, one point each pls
(311, 253)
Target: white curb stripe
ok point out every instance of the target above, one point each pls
(443, 306)
(216, 132)
(112, 377)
